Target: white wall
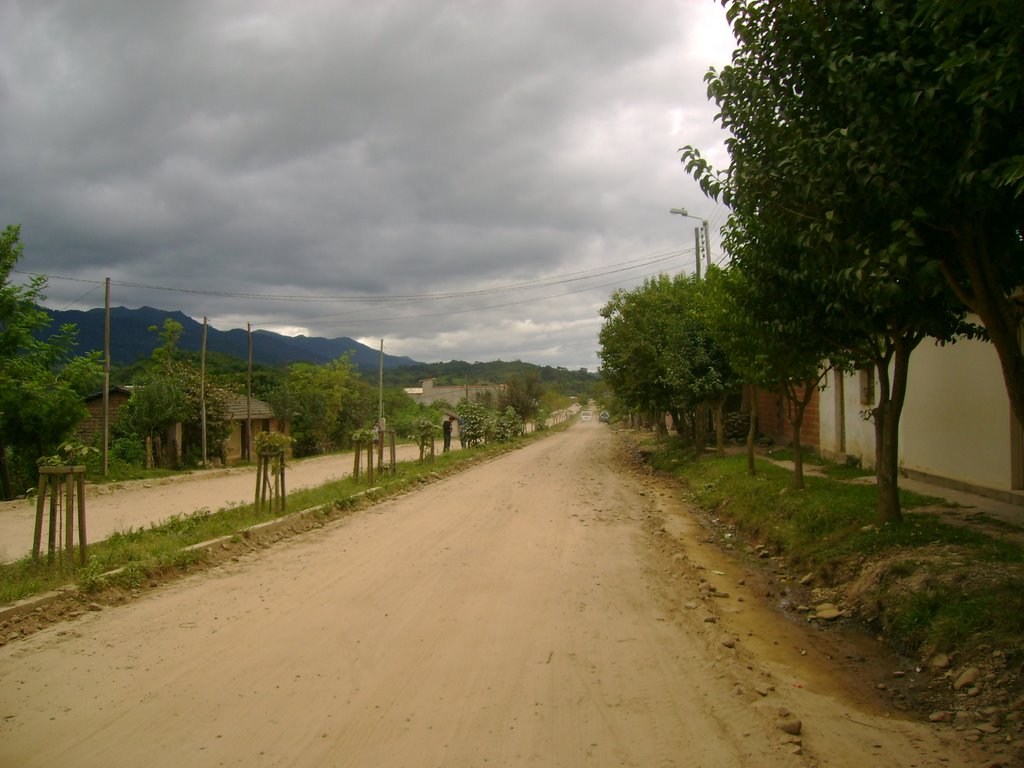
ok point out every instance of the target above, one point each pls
(956, 422)
(956, 419)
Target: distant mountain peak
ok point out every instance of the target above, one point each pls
(131, 339)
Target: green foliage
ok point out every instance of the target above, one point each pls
(323, 405)
(41, 382)
(508, 425)
(658, 353)
(70, 452)
(476, 422)
(942, 586)
(857, 184)
(272, 442)
(170, 334)
(523, 393)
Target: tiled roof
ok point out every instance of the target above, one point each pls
(235, 409)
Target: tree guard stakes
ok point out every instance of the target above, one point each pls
(270, 462)
(426, 444)
(372, 447)
(72, 480)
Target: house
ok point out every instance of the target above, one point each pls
(428, 392)
(90, 429)
(957, 428)
(239, 410)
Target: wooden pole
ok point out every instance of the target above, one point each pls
(202, 392)
(69, 515)
(80, 481)
(40, 507)
(248, 399)
(51, 539)
(106, 375)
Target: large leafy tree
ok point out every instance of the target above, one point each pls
(41, 382)
(523, 392)
(822, 123)
(170, 391)
(317, 401)
(658, 353)
(773, 342)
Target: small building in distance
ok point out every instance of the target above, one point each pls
(428, 392)
(90, 428)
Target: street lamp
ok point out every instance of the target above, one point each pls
(696, 237)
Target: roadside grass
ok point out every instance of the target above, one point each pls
(935, 585)
(135, 555)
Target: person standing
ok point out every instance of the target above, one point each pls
(446, 430)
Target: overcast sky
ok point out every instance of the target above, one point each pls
(465, 179)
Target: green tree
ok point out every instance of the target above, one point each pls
(41, 382)
(811, 90)
(476, 422)
(524, 393)
(317, 401)
(168, 392)
(773, 342)
(658, 353)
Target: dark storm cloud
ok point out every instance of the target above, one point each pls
(358, 149)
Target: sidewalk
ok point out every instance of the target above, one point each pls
(973, 503)
(140, 503)
(1011, 514)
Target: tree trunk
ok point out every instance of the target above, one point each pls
(891, 396)
(719, 428)
(752, 432)
(1000, 314)
(5, 473)
(659, 423)
(700, 430)
(798, 403)
(796, 421)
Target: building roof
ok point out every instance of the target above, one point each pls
(235, 409)
(124, 390)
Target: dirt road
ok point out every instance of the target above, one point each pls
(543, 609)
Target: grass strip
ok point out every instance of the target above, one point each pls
(934, 584)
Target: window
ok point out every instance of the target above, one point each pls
(867, 385)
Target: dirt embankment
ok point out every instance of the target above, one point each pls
(558, 606)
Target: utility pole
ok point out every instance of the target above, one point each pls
(697, 239)
(248, 399)
(202, 392)
(106, 376)
(696, 246)
(707, 245)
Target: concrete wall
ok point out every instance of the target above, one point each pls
(956, 423)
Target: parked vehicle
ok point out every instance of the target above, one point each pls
(605, 417)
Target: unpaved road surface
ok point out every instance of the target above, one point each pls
(542, 609)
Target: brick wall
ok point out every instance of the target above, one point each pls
(93, 423)
(773, 421)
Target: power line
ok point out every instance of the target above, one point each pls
(554, 280)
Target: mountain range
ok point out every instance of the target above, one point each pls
(131, 340)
